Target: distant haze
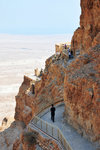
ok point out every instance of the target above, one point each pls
(19, 56)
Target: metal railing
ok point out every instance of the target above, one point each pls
(51, 130)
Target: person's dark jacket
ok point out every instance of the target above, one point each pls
(52, 111)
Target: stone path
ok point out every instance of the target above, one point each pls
(75, 140)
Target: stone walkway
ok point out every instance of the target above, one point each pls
(75, 140)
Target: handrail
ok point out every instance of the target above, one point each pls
(51, 130)
(31, 126)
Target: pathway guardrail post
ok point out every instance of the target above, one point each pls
(64, 143)
(46, 127)
(52, 131)
(36, 120)
(41, 124)
(61, 138)
(58, 133)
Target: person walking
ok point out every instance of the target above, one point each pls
(69, 53)
(65, 46)
(52, 112)
(33, 89)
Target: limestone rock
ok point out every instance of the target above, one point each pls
(87, 35)
(79, 88)
(10, 136)
(48, 90)
(37, 72)
(29, 140)
(82, 94)
(17, 145)
(23, 111)
(6, 122)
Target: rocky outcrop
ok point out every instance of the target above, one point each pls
(32, 140)
(28, 140)
(88, 34)
(48, 90)
(18, 137)
(6, 122)
(10, 135)
(23, 110)
(82, 94)
(75, 82)
(44, 143)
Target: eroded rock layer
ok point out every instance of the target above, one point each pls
(82, 94)
(88, 34)
(49, 90)
(76, 82)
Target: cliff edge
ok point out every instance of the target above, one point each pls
(88, 34)
(75, 82)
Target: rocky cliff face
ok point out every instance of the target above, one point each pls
(82, 94)
(10, 135)
(23, 110)
(88, 34)
(32, 140)
(75, 82)
(48, 90)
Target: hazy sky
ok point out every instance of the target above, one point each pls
(39, 16)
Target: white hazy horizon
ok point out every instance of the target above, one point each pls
(20, 55)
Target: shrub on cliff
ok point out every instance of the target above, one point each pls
(30, 138)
